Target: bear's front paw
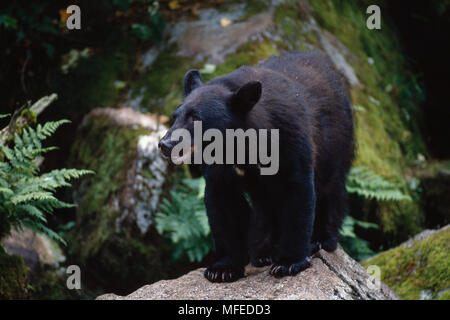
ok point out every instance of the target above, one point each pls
(223, 273)
(279, 270)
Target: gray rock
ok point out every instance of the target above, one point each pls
(332, 276)
(36, 249)
(207, 38)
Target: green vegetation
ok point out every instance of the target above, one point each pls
(161, 86)
(13, 277)
(109, 151)
(183, 219)
(419, 270)
(366, 185)
(154, 26)
(26, 197)
(369, 185)
(355, 246)
(388, 139)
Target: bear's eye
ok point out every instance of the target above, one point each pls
(176, 113)
(191, 116)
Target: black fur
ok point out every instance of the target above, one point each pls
(300, 209)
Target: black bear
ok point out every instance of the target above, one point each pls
(278, 219)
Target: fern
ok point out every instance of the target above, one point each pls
(355, 246)
(26, 198)
(369, 185)
(365, 183)
(183, 219)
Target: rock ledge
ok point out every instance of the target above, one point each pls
(332, 276)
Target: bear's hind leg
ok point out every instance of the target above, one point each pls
(295, 225)
(260, 233)
(330, 211)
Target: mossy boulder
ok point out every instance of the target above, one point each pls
(113, 236)
(418, 268)
(13, 277)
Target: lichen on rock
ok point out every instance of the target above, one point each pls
(144, 183)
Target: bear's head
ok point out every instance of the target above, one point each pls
(214, 106)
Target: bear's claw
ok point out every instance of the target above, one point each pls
(281, 270)
(223, 274)
(262, 262)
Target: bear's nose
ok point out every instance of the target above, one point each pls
(165, 147)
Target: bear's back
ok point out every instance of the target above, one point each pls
(313, 70)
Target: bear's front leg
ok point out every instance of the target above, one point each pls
(294, 225)
(228, 214)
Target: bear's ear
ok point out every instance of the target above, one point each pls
(246, 97)
(192, 80)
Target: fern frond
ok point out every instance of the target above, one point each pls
(183, 219)
(369, 185)
(40, 196)
(49, 128)
(27, 198)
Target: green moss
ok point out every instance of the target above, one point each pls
(289, 18)
(388, 138)
(445, 295)
(107, 150)
(13, 277)
(50, 285)
(248, 54)
(161, 86)
(29, 118)
(424, 267)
